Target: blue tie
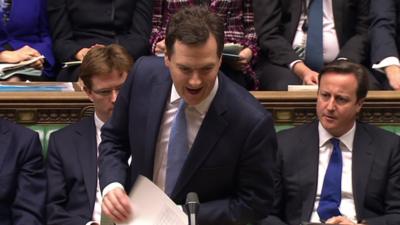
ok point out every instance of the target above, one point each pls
(178, 148)
(331, 193)
(314, 56)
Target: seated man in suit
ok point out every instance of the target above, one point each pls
(348, 172)
(189, 128)
(22, 176)
(385, 42)
(77, 26)
(73, 192)
(298, 37)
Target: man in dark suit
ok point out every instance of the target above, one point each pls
(364, 187)
(74, 196)
(282, 26)
(22, 176)
(77, 26)
(385, 41)
(226, 148)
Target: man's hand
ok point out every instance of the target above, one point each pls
(160, 47)
(116, 205)
(340, 220)
(393, 76)
(18, 55)
(308, 76)
(81, 53)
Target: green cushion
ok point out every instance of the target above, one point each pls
(44, 131)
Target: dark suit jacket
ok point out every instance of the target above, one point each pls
(72, 174)
(229, 164)
(28, 26)
(22, 176)
(385, 29)
(276, 24)
(376, 175)
(77, 24)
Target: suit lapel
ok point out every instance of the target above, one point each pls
(4, 142)
(309, 146)
(86, 147)
(363, 152)
(157, 101)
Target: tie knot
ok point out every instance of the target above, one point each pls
(182, 104)
(335, 142)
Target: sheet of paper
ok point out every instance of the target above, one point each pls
(151, 206)
(9, 66)
(302, 87)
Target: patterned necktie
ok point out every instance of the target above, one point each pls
(178, 148)
(314, 55)
(331, 193)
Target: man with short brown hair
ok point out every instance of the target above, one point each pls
(74, 196)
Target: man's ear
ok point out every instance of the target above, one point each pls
(88, 93)
(360, 103)
(166, 60)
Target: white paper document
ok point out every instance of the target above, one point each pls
(151, 206)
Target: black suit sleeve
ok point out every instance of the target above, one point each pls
(28, 206)
(383, 15)
(57, 195)
(391, 195)
(354, 23)
(268, 23)
(136, 41)
(64, 45)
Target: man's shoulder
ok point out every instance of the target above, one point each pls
(84, 123)
(239, 99)
(16, 129)
(307, 132)
(376, 132)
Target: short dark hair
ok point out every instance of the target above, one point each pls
(192, 26)
(102, 61)
(349, 68)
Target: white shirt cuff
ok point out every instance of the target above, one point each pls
(92, 222)
(291, 65)
(111, 187)
(389, 61)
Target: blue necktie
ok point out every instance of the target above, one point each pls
(178, 148)
(314, 56)
(331, 193)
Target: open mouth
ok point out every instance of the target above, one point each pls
(193, 91)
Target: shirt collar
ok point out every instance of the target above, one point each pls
(97, 121)
(346, 139)
(204, 105)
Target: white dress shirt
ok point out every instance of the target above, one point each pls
(97, 204)
(330, 41)
(194, 119)
(347, 207)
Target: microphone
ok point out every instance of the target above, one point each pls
(192, 207)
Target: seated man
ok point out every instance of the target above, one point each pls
(77, 26)
(189, 128)
(297, 38)
(22, 176)
(385, 42)
(73, 192)
(337, 170)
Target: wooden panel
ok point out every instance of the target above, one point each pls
(380, 107)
